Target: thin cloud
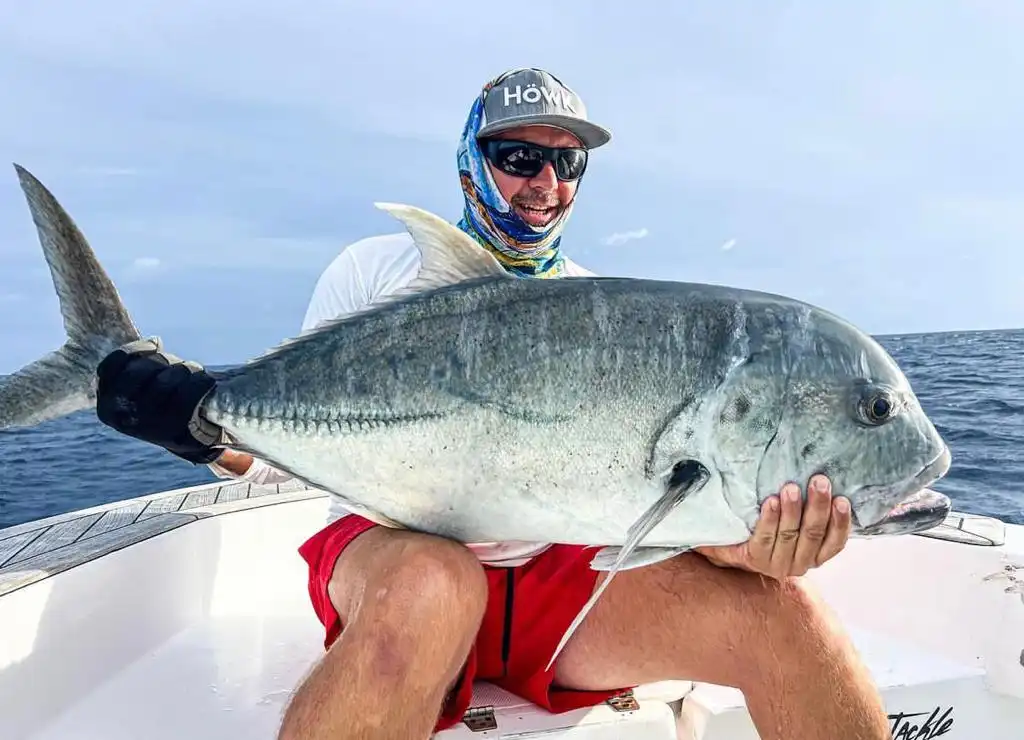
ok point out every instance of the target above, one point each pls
(621, 237)
(146, 263)
(144, 267)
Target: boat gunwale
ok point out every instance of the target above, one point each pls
(164, 511)
(80, 536)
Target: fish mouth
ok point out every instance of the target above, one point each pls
(922, 509)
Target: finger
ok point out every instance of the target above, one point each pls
(118, 403)
(719, 557)
(789, 531)
(762, 539)
(814, 526)
(838, 531)
(113, 363)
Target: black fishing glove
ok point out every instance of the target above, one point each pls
(152, 395)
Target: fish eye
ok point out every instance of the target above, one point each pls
(877, 407)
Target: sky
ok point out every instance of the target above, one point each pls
(865, 157)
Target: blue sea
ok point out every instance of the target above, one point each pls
(970, 383)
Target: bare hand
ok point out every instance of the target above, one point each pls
(787, 542)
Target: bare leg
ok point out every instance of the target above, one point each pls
(411, 604)
(688, 619)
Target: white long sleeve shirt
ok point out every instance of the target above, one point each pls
(361, 273)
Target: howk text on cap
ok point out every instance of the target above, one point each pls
(533, 94)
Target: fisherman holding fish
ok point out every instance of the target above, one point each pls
(412, 619)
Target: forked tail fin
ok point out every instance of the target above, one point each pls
(95, 320)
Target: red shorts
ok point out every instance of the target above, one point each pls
(511, 650)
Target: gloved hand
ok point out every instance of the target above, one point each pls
(152, 395)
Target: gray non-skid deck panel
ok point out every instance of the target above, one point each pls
(35, 550)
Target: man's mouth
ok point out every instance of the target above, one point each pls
(536, 215)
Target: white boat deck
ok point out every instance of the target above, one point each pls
(202, 628)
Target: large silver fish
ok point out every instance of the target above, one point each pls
(643, 417)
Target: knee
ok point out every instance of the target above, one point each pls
(793, 620)
(422, 605)
(425, 581)
(793, 602)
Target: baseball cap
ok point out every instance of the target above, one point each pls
(528, 96)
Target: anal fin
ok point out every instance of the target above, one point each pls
(688, 476)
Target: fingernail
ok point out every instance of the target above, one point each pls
(773, 504)
(820, 484)
(842, 505)
(792, 493)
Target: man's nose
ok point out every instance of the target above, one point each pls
(546, 178)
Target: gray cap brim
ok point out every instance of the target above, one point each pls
(590, 134)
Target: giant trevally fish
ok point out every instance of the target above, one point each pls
(643, 417)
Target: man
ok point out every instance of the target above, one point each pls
(412, 619)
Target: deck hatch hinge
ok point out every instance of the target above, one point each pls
(624, 702)
(479, 719)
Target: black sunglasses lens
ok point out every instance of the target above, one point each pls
(521, 160)
(570, 163)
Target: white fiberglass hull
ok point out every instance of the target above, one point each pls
(185, 614)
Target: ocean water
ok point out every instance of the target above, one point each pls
(970, 383)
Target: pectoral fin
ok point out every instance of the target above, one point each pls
(607, 557)
(688, 477)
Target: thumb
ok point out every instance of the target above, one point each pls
(724, 557)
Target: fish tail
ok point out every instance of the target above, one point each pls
(95, 321)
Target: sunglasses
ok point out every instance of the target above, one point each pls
(523, 159)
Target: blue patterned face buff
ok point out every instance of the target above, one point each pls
(523, 250)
